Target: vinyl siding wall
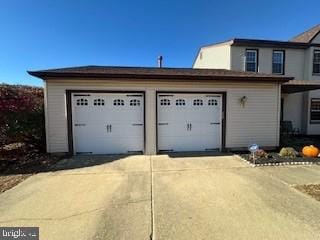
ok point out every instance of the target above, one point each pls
(294, 60)
(298, 64)
(257, 122)
(213, 57)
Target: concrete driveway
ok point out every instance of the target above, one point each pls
(166, 197)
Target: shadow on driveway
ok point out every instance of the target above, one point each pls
(58, 163)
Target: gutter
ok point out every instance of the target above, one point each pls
(72, 75)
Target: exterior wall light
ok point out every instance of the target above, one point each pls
(243, 101)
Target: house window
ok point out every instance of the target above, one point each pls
(118, 102)
(197, 102)
(212, 102)
(165, 102)
(98, 102)
(278, 62)
(315, 110)
(180, 102)
(134, 102)
(82, 102)
(251, 60)
(316, 62)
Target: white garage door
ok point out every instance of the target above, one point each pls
(108, 123)
(189, 122)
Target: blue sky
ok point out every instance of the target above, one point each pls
(42, 34)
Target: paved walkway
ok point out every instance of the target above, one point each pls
(166, 197)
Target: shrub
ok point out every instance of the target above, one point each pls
(22, 115)
(288, 152)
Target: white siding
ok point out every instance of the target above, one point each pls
(257, 122)
(213, 57)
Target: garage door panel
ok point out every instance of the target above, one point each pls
(133, 116)
(107, 145)
(172, 129)
(103, 130)
(181, 144)
(174, 143)
(118, 130)
(90, 130)
(205, 128)
(189, 122)
(108, 123)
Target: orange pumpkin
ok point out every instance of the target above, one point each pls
(310, 151)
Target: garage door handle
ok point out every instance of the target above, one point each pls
(163, 124)
(215, 123)
(137, 124)
(109, 127)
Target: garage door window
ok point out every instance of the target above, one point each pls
(98, 102)
(212, 102)
(180, 102)
(134, 102)
(165, 102)
(197, 102)
(82, 102)
(118, 102)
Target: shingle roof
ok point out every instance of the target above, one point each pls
(264, 43)
(301, 41)
(307, 36)
(154, 73)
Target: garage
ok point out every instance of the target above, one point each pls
(108, 123)
(111, 110)
(189, 122)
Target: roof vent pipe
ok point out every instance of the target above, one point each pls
(160, 58)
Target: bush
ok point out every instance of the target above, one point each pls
(288, 152)
(22, 115)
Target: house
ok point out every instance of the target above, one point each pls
(298, 58)
(111, 110)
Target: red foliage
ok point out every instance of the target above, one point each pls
(20, 99)
(21, 115)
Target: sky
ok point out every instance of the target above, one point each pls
(44, 34)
